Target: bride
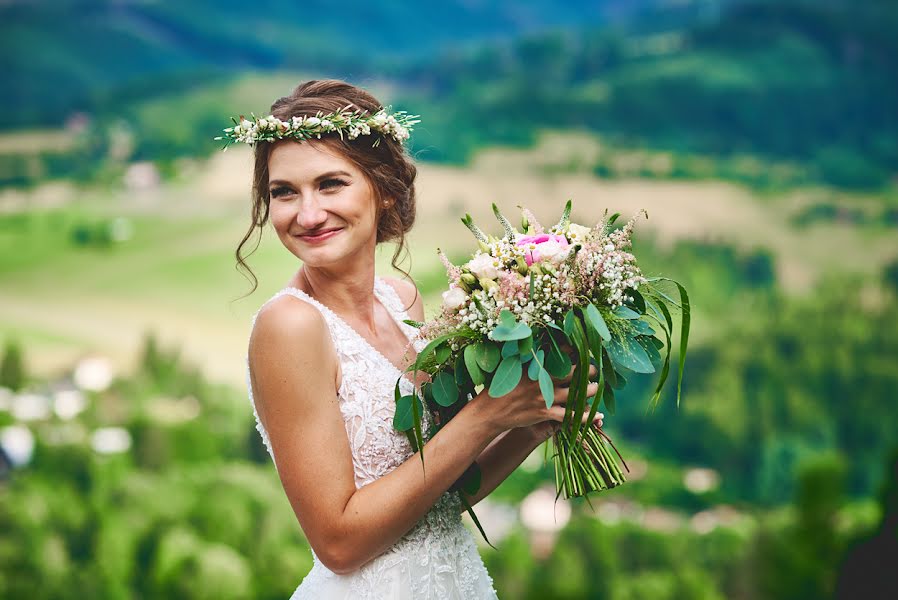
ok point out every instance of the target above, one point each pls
(326, 351)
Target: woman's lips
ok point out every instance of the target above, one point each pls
(320, 236)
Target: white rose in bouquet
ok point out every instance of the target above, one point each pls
(483, 266)
(454, 298)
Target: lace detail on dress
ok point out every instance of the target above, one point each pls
(438, 558)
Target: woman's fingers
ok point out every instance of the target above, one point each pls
(561, 393)
(566, 381)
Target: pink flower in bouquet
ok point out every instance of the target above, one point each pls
(544, 247)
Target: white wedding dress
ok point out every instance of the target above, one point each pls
(437, 559)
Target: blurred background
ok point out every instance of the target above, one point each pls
(761, 136)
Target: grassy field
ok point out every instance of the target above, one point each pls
(175, 275)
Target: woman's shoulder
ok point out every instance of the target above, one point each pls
(287, 319)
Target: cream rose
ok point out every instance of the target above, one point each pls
(483, 267)
(454, 298)
(578, 232)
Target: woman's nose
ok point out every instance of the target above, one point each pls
(310, 215)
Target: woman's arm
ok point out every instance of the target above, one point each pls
(293, 373)
(502, 457)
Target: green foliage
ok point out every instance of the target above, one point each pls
(12, 366)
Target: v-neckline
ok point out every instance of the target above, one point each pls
(364, 340)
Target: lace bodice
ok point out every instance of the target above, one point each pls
(437, 558)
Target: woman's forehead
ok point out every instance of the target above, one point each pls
(298, 160)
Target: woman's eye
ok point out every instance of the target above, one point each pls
(332, 184)
(280, 191)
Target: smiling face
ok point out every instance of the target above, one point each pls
(322, 206)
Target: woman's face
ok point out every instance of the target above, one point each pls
(322, 206)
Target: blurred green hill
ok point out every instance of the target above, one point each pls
(86, 55)
(809, 84)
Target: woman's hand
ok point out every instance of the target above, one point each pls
(524, 406)
(545, 429)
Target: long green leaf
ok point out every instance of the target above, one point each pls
(684, 336)
(558, 364)
(417, 412)
(594, 408)
(474, 518)
(429, 349)
(685, 321)
(577, 392)
(594, 318)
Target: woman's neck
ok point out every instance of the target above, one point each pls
(347, 292)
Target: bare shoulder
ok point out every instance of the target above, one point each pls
(285, 349)
(409, 295)
(285, 320)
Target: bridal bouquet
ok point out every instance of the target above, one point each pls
(535, 303)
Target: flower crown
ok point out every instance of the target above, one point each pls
(354, 122)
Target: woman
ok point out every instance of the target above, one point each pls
(326, 351)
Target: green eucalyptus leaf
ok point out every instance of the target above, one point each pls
(509, 349)
(641, 327)
(629, 354)
(441, 354)
(625, 312)
(470, 358)
(403, 418)
(503, 333)
(488, 356)
(536, 365)
(650, 350)
(445, 391)
(525, 345)
(508, 375)
(546, 388)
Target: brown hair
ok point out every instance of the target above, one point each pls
(387, 166)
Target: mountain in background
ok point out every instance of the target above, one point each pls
(60, 56)
(812, 83)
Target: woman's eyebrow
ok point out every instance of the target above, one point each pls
(321, 177)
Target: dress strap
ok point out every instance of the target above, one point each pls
(390, 298)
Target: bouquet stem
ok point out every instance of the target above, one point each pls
(584, 463)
